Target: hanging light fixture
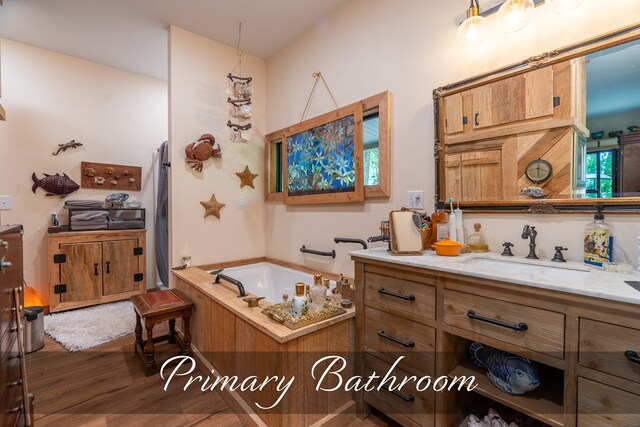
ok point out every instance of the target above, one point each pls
(514, 15)
(562, 6)
(474, 29)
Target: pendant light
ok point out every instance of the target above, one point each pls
(514, 15)
(474, 30)
(562, 6)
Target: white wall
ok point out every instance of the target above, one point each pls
(410, 48)
(197, 105)
(50, 98)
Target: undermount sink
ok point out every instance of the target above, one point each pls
(524, 266)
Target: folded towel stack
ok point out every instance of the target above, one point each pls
(130, 224)
(83, 204)
(90, 220)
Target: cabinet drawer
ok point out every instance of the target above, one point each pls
(394, 336)
(603, 347)
(601, 405)
(415, 299)
(542, 330)
(409, 406)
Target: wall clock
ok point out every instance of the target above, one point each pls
(538, 170)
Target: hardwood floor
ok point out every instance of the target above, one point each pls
(106, 386)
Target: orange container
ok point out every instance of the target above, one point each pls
(447, 247)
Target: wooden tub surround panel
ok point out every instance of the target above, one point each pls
(585, 346)
(234, 339)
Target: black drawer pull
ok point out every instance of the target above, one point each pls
(108, 266)
(95, 269)
(475, 119)
(519, 327)
(396, 340)
(632, 356)
(408, 398)
(393, 294)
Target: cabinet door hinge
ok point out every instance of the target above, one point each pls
(137, 251)
(556, 101)
(138, 277)
(60, 288)
(59, 258)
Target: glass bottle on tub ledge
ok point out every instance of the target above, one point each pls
(300, 302)
(318, 294)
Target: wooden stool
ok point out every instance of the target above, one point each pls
(155, 307)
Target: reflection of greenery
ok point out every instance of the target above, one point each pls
(371, 169)
(600, 169)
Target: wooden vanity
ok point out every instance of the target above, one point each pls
(578, 341)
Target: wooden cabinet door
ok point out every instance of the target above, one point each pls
(499, 103)
(481, 175)
(119, 265)
(454, 120)
(81, 272)
(481, 101)
(539, 93)
(453, 176)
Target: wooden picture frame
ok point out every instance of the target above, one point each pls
(337, 133)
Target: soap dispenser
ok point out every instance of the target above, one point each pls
(439, 224)
(300, 302)
(598, 240)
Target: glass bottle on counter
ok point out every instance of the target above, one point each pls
(476, 242)
(318, 293)
(439, 225)
(300, 302)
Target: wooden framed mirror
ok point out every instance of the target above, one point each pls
(554, 133)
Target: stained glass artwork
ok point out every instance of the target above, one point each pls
(322, 159)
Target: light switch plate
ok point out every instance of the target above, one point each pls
(415, 199)
(5, 203)
(240, 202)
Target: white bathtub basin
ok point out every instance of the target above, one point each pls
(525, 266)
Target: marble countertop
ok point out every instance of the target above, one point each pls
(576, 278)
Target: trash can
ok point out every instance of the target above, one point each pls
(33, 328)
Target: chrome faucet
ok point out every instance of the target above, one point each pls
(529, 232)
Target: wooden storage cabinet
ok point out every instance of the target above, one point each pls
(88, 268)
(578, 342)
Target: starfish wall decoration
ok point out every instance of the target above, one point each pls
(246, 177)
(212, 207)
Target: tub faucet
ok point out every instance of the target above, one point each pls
(217, 277)
(529, 232)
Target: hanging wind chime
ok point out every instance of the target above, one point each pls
(239, 91)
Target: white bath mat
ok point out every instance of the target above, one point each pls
(88, 327)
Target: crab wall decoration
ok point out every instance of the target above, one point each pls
(203, 149)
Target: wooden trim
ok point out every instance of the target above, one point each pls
(357, 194)
(3, 113)
(269, 172)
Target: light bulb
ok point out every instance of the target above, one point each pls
(562, 6)
(473, 31)
(514, 15)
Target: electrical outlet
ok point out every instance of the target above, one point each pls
(415, 199)
(5, 203)
(240, 202)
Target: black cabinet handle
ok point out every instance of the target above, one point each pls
(475, 119)
(108, 266)
(519, 327)
(632, 356)
(95, 269)
(408, 398)
(393, 294)
(396, 340)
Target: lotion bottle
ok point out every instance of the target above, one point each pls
(300, 302)
(459, 225)
(453, 235)
(598, 240)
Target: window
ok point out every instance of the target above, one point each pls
(600, 173)
(376, 150)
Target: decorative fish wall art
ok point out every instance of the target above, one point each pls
(54, 185)
(510, 373)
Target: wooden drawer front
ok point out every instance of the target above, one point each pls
(544, 329)
(418, 342)
(415, 299)
(419, 411)
(601, 405)
(603, 347)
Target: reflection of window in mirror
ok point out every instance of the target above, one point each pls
(376, 134)
(371, 140)
(613, 108)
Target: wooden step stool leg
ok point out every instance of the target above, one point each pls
(172, 331)
(187, 334)
(138, 333)
(149, 349)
